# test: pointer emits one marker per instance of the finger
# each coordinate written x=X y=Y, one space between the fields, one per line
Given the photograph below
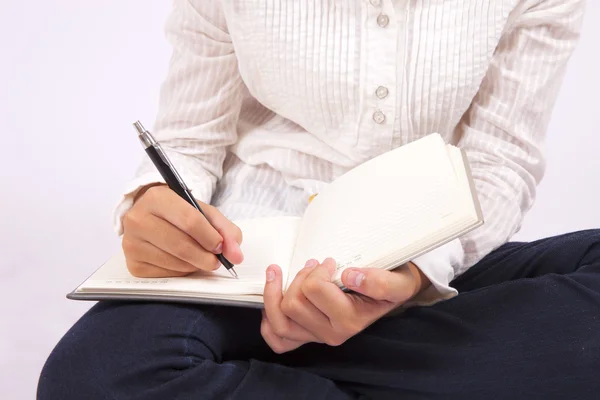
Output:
x=231 y=233
x=278 y=344
x=146 y=252
x=326 y=295
x=272 y=297
x=175 y=242
x=164 y=203
x=300 y=310
x=145 y=270
x=232 y=250
x=395 y=286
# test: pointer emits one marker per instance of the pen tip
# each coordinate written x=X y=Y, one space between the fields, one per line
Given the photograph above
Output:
x=233 y=273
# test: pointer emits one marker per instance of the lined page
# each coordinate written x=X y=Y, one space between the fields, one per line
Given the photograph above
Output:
x=266 y=241
x=385 y=205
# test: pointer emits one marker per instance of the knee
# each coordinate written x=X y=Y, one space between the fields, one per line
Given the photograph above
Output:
x=116 y=350
x=66 y=374
x=78 y=365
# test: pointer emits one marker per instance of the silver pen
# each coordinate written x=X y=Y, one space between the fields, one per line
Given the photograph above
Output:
x=172 y=178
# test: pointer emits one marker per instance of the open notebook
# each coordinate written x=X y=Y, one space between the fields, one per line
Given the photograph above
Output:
x=380 y=214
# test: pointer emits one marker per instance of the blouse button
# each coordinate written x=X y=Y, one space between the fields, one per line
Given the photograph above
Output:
x=379 y=117
x=382 y=92
x=383 y=20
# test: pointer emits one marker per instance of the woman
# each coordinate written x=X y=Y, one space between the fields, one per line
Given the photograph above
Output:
x=268 y=100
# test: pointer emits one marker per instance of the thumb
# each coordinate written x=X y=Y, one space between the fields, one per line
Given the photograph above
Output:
x=274 y=284
x=395 y=286
x=230 y=232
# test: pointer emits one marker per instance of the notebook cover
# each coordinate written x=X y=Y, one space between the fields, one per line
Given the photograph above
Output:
x=161 y=298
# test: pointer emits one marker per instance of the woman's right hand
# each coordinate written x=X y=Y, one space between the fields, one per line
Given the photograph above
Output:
x=165 y=236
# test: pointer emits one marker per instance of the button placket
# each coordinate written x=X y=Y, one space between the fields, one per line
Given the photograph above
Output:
x=381 y=75
x=381 y=92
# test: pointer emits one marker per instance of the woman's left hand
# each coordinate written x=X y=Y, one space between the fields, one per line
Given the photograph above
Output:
x=316 y=310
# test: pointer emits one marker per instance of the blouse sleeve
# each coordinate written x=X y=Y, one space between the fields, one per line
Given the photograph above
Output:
x=200 y=102
x=504 y=130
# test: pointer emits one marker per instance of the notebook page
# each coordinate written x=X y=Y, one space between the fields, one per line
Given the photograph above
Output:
x=467 y=217
x=266 y=241
x=386 y=204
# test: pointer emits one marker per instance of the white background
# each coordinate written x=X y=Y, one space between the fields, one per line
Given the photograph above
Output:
x=74 y=75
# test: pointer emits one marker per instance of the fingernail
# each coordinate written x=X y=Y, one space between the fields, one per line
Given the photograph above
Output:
x=355 y=278
x=270 y=275
x=311 y=263
x=331 y=264
x=218 y=249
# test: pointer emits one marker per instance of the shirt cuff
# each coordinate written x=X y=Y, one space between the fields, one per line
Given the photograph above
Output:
x=200 y=182
x=439 y=265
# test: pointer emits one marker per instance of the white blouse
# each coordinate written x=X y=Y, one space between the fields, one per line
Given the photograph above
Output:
x=266 y=101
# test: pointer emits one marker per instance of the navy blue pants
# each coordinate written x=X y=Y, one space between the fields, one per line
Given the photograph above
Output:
x=526 y=325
